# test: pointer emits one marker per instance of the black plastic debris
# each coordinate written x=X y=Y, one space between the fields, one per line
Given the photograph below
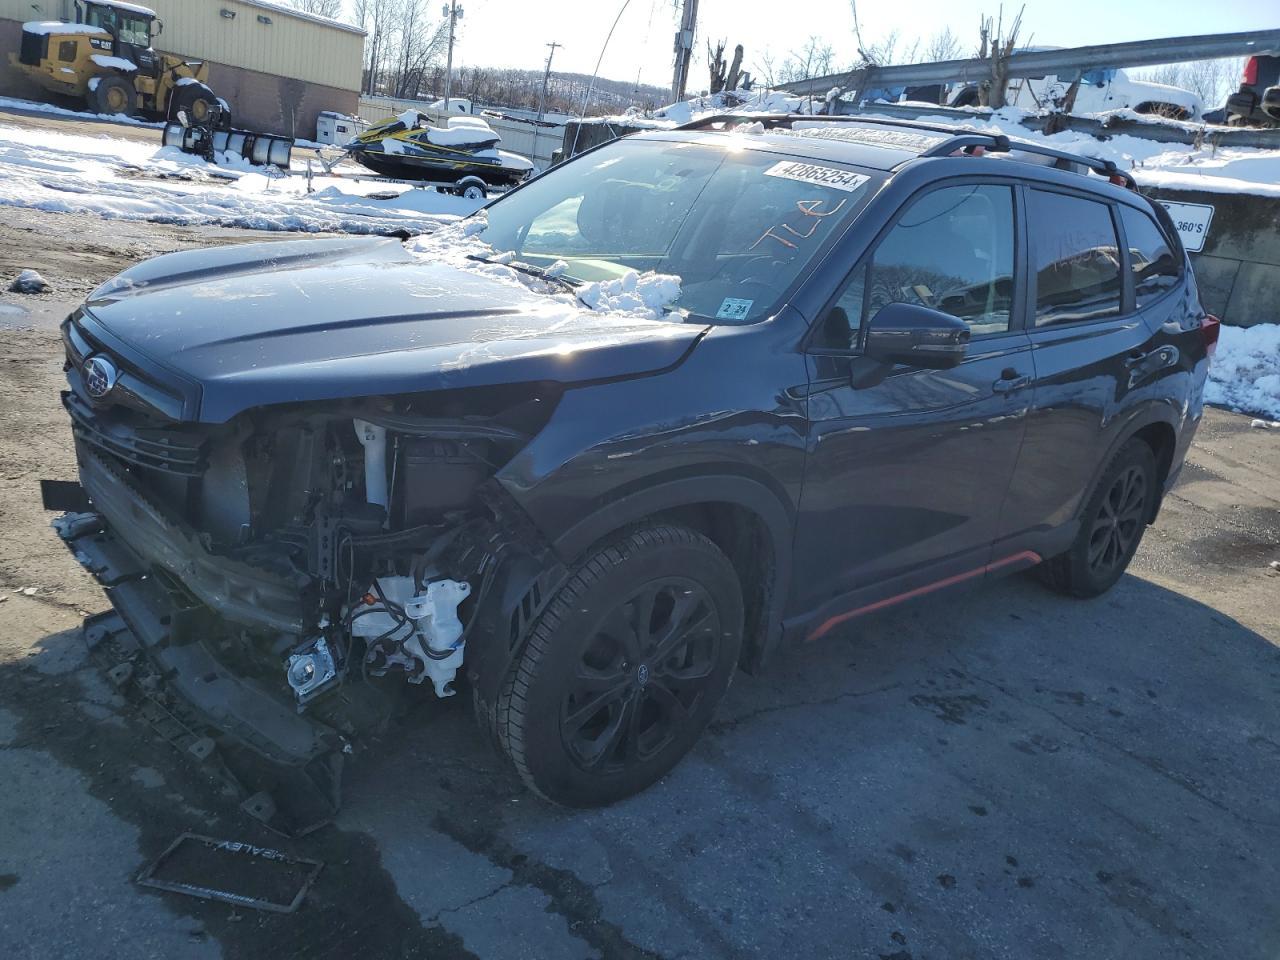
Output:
x=233 y=872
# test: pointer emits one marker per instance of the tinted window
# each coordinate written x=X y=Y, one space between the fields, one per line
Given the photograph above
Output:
x=952 y=250
x=1077 y=259
x=1151 y=258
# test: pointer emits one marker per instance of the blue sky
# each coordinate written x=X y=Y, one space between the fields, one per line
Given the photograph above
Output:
x=513 y=32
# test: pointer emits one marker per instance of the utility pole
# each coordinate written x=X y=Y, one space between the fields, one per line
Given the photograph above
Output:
x=454 y=13
x=542 y=98
x=546 y=76
x=684 y=49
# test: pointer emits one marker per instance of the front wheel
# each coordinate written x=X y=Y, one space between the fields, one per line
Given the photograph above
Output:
x=1115 y=517
x=624 y=669
x=113 y=95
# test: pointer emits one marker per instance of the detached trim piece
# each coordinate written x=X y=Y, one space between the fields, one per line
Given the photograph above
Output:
x=1026 y=558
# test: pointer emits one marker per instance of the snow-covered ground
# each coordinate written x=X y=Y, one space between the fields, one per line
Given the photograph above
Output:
x=124 y=179
x=1245 y=372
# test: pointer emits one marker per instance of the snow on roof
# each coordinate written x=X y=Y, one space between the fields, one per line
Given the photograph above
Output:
x=302 y=15
x=127 y=7
x=45 y=27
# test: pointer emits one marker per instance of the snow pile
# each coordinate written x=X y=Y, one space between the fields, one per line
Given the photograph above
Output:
x=29 y=281
x=643 y=296
x=121 y=179
x=32 y=106
x=647 y=296
x=1245 y=371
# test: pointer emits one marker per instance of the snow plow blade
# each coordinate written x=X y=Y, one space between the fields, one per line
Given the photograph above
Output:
x=285 y=767
x=260 y=149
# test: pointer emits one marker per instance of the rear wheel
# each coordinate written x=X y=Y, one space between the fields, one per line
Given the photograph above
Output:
x=624 y=669
x=113 y=95
x=1115 y=519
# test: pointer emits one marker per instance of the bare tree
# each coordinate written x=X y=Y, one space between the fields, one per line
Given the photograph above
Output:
x=1211 y=80
x=943 y=45
x=996 y=46
x=321 y=8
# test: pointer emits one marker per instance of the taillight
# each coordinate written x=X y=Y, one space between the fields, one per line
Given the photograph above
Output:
x=1210 y=327
x=1251 y=71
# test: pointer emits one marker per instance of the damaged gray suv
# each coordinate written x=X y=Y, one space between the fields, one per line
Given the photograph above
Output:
x=644 y=420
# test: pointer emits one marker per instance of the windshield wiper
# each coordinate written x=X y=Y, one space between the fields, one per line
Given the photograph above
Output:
x=569 y=283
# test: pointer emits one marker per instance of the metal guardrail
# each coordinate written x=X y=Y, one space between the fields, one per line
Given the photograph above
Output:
x=1066 y=65
x=1153 y=128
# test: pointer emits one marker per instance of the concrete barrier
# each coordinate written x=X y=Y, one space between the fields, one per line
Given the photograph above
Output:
x=1238 y=268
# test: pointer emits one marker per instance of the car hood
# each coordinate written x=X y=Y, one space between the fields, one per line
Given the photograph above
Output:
x=256 y=324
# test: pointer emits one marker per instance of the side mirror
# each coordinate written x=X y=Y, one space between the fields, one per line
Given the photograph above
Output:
x=157 y=27
x=916 y=336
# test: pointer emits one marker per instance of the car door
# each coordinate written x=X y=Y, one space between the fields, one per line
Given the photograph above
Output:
x=907 y=468
x=1094 y=354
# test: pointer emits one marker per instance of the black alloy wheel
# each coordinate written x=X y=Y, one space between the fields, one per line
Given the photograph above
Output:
x=1113 y=521
x=624 y=668
x=1118 y=522
x=640 y=677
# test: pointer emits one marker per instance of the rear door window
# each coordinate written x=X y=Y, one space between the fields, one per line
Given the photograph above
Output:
x=1151 y=258
x=1076 y=258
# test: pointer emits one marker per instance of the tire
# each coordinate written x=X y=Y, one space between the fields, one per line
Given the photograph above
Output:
x=113 y=95
x=1115 y=518
x=196 y=99
x=472 y=189
x=591 y=712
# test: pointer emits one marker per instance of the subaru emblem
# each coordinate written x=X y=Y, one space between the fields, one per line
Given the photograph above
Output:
x=100 y=375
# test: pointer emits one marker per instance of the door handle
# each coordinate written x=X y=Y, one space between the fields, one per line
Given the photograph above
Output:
x=1010 y=381
x=1135 y=358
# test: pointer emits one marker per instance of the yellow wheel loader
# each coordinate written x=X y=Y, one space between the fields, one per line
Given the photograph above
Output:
x=105 y=60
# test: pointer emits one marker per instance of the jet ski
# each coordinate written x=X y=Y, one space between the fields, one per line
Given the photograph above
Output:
x=462 y=156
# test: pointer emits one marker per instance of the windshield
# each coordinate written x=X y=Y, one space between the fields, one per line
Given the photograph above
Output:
x=736 y=226
x=128 y=26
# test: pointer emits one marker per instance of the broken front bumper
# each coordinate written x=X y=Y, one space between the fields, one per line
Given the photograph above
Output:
x=286 y=766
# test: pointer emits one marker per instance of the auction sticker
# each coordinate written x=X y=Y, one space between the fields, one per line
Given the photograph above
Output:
x=834 y=177
x=734 y=309
x=1192 y=221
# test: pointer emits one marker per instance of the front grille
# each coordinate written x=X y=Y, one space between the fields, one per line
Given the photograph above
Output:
x=34 y=48
x=113 y=432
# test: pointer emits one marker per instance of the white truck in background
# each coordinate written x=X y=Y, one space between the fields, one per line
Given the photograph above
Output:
x=1100 y=90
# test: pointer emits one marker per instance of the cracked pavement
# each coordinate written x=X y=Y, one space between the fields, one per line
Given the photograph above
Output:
x=1002 y=773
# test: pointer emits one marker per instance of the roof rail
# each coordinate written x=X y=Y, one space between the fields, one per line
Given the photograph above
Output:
x=963 y=140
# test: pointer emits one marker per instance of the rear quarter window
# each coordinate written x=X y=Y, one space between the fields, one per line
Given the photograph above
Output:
x=1152 y=258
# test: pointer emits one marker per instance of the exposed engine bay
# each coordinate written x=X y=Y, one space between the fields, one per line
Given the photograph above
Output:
x=374 y=514
x=326 y=555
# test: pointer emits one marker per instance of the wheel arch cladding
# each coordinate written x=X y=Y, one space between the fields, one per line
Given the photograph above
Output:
x=739 y=515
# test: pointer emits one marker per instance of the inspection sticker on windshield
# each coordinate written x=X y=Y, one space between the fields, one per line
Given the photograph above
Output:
x=813 y=173
x=1192 y=220
x=734 y=309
